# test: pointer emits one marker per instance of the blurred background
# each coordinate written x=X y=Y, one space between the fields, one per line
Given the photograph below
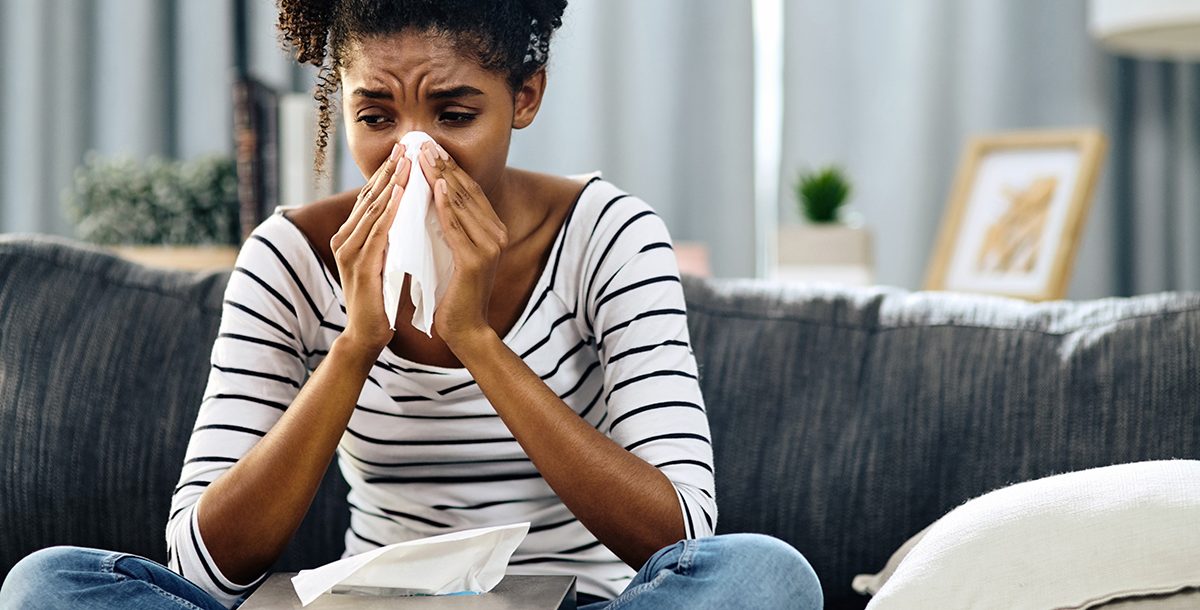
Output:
x=707 y=109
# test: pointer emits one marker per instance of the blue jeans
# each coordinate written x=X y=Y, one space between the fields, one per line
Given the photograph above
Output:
x=74 y=577
x=721 y=572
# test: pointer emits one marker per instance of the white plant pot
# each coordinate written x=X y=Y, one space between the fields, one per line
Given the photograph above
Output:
x=833 y=252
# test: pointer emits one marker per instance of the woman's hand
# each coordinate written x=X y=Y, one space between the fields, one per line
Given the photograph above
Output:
x=476 y=238
x=360 y=246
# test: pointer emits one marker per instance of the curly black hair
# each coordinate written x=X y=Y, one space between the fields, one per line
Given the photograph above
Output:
x=508 y=37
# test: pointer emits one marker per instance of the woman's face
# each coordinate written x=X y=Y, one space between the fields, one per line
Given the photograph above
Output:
x=414 y=81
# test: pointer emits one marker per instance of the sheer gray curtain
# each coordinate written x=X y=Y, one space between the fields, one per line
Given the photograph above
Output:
x=1156 y=176
x=655 y=94
x=121 y=77
x=891 y=90
x=658 y=95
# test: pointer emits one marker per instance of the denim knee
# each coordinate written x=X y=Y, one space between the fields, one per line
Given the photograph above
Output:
x=77 y=577
x=33 y=575
x=792 y=583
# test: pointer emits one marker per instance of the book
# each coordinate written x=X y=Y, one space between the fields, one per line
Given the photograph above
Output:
x=256 y=150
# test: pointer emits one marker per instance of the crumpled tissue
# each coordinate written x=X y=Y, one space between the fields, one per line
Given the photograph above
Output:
x=416 y=246
x=470 y=561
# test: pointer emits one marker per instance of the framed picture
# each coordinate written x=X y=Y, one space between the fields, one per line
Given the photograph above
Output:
x=1016 y=212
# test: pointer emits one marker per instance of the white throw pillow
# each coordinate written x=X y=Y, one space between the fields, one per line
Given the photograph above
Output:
x=1069 y=541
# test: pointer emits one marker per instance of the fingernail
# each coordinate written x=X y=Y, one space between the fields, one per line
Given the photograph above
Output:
x=443 y=188
x=442 y=153
x=395 y=149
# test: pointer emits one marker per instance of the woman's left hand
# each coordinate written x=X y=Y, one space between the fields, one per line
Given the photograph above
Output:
x=476 y=238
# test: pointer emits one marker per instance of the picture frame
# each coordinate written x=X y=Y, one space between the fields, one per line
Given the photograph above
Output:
x=1016 y=212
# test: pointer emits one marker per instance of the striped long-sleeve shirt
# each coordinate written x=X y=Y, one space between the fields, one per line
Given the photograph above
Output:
x=425 y=453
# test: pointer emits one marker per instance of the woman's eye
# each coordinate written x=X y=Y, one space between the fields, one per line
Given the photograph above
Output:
x=457 y=117
x=371 y=119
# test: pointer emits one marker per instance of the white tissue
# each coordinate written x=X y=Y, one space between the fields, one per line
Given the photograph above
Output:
x=468 y=561
x=416 y=246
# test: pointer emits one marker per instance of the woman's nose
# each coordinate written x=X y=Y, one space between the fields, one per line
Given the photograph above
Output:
x=409 y=126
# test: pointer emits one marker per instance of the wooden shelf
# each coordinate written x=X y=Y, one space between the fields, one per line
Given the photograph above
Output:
x=184 y=258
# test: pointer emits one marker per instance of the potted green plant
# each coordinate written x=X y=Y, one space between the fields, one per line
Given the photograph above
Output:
x=830 y=245
x=822 y=194
x=179 y=214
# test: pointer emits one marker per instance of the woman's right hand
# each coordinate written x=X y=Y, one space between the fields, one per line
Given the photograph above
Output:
x=359 y=247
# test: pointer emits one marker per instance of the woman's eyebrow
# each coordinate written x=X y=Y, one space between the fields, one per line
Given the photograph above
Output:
x=372 y=94
x=454 y=92
x=438 y=94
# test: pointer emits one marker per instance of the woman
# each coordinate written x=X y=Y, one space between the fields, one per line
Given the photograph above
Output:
x=558 y=386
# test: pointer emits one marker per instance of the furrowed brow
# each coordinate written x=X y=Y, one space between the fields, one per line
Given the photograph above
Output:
x=454 y=92
x=372 y=94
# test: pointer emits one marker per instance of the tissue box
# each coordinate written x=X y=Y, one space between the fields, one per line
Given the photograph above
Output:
x=513 y=593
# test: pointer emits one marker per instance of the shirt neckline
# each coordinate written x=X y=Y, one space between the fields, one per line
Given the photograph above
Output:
x=530 y=303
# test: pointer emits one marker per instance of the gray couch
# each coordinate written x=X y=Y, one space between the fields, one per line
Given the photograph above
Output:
x=843 y=420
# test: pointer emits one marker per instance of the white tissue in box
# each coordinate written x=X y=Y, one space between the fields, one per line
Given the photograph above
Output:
x=470 y=560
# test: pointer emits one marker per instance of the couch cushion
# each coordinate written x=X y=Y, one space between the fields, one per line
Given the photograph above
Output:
x=102 y=367
x=1074 y=540
x=843 y=420
x=846 y=420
